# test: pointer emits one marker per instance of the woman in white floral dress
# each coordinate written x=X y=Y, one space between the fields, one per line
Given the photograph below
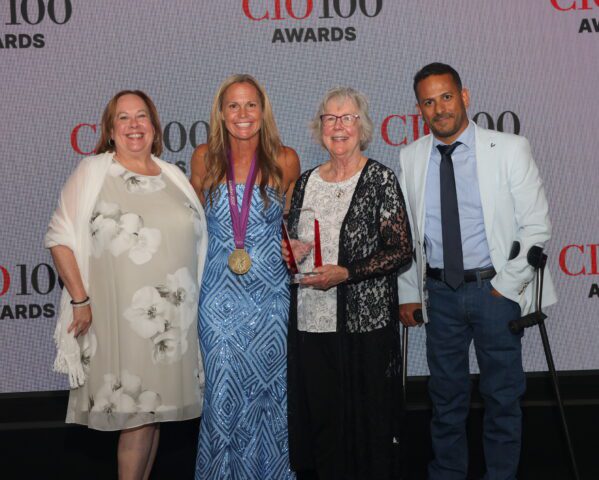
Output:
x=129 y=240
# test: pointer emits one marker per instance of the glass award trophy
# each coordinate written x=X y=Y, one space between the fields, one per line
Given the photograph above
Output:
x=303 y=243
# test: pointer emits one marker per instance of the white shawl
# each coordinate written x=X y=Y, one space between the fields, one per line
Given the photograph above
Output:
x=69 y=226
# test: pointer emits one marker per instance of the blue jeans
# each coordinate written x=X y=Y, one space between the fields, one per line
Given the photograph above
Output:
x=455 y=319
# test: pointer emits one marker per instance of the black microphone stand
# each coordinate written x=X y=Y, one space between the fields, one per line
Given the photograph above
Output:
x=538 y=260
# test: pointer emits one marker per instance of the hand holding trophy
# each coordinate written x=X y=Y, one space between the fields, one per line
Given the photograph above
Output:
x=303 y=243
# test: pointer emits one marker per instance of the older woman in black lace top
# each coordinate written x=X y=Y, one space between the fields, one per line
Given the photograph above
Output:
x=343 y=347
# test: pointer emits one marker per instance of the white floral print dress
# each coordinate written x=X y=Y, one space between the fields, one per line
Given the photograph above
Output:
x=143 y=368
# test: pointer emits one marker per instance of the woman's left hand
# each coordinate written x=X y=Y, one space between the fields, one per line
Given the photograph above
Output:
x=328 y=276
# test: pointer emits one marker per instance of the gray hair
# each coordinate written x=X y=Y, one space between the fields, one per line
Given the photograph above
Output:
x=360 y=100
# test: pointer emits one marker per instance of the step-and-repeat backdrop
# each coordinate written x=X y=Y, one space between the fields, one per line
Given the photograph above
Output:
x=532 y=68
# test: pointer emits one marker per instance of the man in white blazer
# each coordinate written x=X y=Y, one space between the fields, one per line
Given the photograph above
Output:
x=473 y=196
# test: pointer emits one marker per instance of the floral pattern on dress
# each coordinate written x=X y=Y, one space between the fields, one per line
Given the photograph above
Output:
x=120 y=232
x=136 y=269
x=136 y=183
x=88 y=349
x=163 y=314
x=124 y=394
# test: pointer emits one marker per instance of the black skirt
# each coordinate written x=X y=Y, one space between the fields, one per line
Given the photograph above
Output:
x=345 y=403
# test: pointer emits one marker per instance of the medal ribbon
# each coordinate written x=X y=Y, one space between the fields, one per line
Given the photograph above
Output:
x=239 y=220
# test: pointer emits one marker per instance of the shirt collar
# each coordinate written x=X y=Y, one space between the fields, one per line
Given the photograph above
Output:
x=467 y=138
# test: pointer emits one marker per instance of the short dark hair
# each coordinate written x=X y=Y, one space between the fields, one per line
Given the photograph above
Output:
x=436 y=69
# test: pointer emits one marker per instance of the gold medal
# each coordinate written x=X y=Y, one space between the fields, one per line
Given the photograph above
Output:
x=240 y=261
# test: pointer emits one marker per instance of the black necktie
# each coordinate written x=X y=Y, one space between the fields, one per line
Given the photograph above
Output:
x=453 y=260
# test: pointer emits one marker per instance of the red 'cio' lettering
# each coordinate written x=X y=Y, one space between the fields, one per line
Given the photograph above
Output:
x=566 y=5
x=277 y=11
x=5 y=281
x=584 y=260
x=391 y=124
x=75 y=138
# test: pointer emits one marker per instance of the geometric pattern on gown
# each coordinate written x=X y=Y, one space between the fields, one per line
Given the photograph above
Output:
x=242 y=327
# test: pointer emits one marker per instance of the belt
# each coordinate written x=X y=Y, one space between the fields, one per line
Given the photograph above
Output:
x=469 y=275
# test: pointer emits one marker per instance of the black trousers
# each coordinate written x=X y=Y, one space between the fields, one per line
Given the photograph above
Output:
x=320 y=380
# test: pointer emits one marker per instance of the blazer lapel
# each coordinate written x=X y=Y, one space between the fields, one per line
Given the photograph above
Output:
x=422 y=157
x=487 y=164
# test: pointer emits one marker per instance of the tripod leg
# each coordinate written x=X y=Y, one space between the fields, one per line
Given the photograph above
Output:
x=558 y=397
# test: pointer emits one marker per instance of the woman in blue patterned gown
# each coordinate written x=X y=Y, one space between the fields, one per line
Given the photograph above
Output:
x=243 y=316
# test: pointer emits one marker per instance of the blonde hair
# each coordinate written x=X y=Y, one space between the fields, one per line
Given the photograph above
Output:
x=269 y=144
x=104 y=143
x=359 y=99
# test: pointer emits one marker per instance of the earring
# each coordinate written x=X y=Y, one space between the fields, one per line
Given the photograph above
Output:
x=110 y=142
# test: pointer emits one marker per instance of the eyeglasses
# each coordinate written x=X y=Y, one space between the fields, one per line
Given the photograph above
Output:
x=330 y=120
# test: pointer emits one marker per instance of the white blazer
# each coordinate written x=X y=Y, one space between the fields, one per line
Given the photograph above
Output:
x=514 y=209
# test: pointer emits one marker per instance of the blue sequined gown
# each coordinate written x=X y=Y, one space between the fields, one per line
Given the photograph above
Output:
x=242 y=329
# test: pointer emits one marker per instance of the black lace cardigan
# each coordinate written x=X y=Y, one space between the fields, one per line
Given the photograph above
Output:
x=374 y=245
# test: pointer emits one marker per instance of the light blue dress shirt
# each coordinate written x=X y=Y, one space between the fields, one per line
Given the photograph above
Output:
x=475 y=248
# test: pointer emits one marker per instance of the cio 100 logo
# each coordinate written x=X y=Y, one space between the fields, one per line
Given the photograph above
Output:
x=398 y=130
x=33 y=12
x=175 y=136
x=23 y=282
x=301 y=10
x=284 y=9
x=587 y=25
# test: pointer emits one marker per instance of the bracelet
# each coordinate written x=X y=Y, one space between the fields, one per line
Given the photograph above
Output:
x=82 y=303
